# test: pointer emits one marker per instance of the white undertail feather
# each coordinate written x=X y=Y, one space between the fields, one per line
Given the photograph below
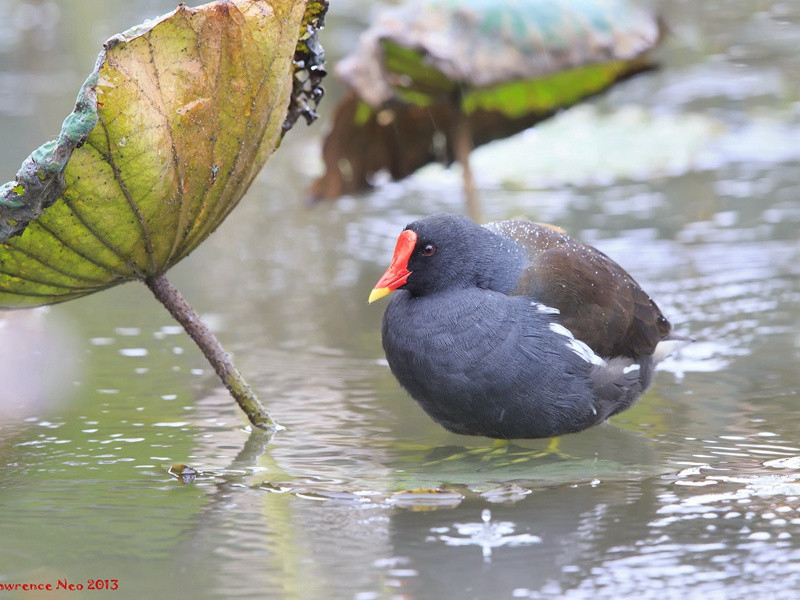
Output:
x=667 y=347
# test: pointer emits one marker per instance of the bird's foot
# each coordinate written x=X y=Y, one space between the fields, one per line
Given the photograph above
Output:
x=501 y=453
x=551 y=450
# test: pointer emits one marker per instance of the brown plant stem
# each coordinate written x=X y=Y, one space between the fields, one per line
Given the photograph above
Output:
x=183 y=312
x=462 y=147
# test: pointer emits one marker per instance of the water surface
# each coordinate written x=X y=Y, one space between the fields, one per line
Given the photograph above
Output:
x=688 y=176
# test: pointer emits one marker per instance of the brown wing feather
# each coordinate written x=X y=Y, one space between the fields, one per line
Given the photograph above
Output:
x=597 y=299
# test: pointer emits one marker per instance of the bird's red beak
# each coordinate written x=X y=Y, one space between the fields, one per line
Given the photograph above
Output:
x=397 y=273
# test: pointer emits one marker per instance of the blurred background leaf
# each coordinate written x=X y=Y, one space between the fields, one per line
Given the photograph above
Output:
x=432 y=79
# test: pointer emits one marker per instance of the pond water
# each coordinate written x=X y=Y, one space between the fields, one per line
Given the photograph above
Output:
x=688 y=176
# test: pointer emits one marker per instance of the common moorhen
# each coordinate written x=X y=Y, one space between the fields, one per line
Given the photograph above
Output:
x=515 y=329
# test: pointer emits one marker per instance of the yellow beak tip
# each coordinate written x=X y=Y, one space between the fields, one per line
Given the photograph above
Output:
x=377 y=294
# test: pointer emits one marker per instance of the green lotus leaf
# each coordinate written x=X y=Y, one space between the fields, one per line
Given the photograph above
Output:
x=174 y=123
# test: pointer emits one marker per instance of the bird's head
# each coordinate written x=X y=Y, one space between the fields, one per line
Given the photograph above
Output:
x=448 y=251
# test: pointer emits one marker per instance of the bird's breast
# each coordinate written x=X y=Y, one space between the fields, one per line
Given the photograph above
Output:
x=450 y=334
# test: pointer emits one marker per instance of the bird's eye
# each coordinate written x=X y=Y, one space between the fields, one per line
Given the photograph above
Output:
x=428 y=249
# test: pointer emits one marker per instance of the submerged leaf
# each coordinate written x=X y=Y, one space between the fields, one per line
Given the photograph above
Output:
x=175 y=122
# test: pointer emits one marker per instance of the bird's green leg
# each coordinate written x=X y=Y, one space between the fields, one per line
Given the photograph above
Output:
x=551 y=450
x=498 y=447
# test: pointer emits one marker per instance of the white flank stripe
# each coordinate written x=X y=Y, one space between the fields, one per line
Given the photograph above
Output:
x=561 y=330
x=577 y=346
x=543 y=308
